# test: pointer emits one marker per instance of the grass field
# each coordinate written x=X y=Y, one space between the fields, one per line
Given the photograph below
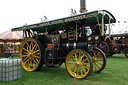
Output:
x=115 y=73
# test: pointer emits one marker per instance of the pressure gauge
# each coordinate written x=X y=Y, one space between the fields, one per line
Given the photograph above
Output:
x=54 y=39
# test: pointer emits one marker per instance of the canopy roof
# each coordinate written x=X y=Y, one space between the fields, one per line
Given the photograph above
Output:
x=10 y=36
x=119 y=35
x=90 y=17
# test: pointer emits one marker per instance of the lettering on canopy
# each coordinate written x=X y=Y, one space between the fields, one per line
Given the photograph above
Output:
x=69 y=19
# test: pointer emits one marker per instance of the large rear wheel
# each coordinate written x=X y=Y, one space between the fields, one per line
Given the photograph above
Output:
x=80 y=62
x=31 y=53
x=99 y=60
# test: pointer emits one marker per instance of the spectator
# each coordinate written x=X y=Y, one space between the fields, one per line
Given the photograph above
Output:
x=10 y=53
x=7 y=52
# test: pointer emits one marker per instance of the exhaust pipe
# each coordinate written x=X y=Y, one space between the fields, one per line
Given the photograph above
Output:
x=83 y=6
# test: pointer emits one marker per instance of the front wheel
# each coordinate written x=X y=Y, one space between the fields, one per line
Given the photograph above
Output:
x=99 y=60
x=79 y=62
x=31 y=53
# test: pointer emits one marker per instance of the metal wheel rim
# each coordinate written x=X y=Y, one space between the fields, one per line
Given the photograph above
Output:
x=30 y=55
x=98 y=61
x=79 y=65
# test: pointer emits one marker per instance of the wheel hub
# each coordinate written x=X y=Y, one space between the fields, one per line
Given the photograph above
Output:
x=78 y=64
x=94 y=59
x=29 y=54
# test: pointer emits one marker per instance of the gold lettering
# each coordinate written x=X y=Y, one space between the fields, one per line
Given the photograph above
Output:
x=75 y=18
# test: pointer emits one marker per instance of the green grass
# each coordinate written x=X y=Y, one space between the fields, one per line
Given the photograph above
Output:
x=115 y=73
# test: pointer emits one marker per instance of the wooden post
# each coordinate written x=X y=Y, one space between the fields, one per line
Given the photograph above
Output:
x=75 y=79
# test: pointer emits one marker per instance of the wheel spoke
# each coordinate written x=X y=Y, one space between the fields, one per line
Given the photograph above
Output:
x=25 y=49
x=95 y=67
x=99 y=63
x=27 y=44
x=34 y=61
x=35 y=51
x=83 y=70
x=71 y=64
x=75 y=70
x=36 y=56
x=26 y=65
x=81 y=58
x=26 y=58
x=35 y=46
x=72 y=60
x=86 y=67
x=75 y=57
x=24 y=55
x=30 y=63
x=37 y=60
x=99 y=60
x=26 y=61
x=84 y=60
x=85 y=64
x=72 y=67
x=25 y=52
x=30 y=47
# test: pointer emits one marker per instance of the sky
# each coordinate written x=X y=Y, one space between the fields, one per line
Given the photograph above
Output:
x=16 y=13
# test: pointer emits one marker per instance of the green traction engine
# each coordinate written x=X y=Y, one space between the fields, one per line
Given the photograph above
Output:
x=70 y=40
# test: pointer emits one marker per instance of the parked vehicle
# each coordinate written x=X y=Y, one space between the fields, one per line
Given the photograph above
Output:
x=116 y=43
x=65 y=41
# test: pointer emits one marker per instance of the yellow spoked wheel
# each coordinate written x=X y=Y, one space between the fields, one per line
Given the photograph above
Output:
x=79 y=62
x=99 y=60
x=30 y=54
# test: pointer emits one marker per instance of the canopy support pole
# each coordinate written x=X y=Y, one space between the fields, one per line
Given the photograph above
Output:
x=109 y=27
x=98 y=24
x=102 y=26
x=23 y=34
x=76 y=31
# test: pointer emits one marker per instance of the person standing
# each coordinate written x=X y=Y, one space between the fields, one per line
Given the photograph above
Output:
x=10 y=52
x=7 y=52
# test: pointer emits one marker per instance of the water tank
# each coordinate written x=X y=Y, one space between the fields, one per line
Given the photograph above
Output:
x=10 y=69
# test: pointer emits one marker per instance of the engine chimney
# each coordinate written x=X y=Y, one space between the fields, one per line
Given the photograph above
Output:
x=83 y=6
